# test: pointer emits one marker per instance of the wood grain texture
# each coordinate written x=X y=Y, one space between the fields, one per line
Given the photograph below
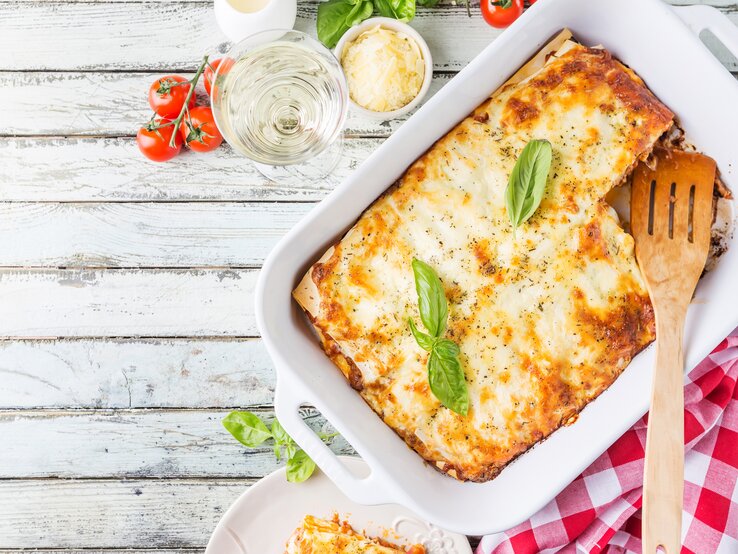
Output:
x=135 y=373
x=61 y=514
x=134 y=444
x=112 y=169
x=123 y=303
x=716 y=3
x=473 y=3
x=474 y=541
x=80 y=104
x=186 y=550
x=74 y=68
x=128 y=36
x=143 y=234
x=670 y=218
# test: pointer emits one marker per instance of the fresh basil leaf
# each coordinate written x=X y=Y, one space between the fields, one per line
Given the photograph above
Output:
x=424 y=340
x=290 y=448
x=445 y=375
x=335 y=17
x=279 y=434
x=446 y=348
x=251 y=431
x=427 y=3
x=527 y=182
x=280 y=437
x=431 y=298
x=447 y=381
x=247 y=428
x=299 y=467
x=402 y=10
x=363 y=9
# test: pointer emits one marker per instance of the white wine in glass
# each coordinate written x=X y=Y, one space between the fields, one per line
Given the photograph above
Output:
x=280 y=98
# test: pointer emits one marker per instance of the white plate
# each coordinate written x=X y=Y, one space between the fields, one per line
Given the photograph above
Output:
x=662 y=45
x=264 y=517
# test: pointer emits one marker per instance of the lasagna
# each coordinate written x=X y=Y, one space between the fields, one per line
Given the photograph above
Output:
x=320 y=536
x=546 y=317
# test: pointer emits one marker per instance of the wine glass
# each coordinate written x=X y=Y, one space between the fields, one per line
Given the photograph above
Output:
x=280 y=98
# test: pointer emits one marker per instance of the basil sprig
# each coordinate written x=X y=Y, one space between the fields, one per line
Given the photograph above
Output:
x=335 y=17
x=251 y=431
x=445 y=374
x=527 y=182
x=402 y=10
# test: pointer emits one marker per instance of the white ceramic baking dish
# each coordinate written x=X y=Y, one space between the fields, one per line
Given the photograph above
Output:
x=661 y=43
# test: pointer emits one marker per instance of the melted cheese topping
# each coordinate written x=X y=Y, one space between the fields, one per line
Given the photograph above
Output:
x=384 y=69
x=546 y=319
x=320 y=536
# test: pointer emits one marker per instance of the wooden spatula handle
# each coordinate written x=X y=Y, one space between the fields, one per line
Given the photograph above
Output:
x=663 y=484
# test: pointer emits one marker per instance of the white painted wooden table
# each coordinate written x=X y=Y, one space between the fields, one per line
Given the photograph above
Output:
x=126 y=287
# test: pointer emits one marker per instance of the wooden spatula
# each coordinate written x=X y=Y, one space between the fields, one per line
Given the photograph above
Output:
x=670 y=218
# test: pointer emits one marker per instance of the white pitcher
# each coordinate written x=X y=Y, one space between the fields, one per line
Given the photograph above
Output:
x=239 y=19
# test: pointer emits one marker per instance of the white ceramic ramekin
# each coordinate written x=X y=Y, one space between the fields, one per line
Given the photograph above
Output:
x=400 y=27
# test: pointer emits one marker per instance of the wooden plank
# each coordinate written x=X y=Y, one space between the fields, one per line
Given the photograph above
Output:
x=135 y=373
x=143 y=234
x=144 y=514
x=716 y=3
x=77 y=103
x=188 y=550
x=129 y=35
x=134 y=444
x=112 y=169
x=107 y=36
x=80 y=104
x=124 y=303
x=474 y=3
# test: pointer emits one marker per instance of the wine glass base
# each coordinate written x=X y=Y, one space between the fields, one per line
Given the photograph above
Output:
x=315 y=169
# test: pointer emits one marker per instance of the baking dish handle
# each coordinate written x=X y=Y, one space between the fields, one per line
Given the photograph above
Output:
x=366 y=490
x=701 y=18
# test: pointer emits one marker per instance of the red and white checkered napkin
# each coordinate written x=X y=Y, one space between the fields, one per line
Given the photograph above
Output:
x=600 y=511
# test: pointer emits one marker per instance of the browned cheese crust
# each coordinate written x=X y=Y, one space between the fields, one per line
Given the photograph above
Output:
x=546 y=318
x=334 y=536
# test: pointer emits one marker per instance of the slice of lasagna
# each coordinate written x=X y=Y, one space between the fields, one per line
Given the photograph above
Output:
x=547 y=317
x=320 y=536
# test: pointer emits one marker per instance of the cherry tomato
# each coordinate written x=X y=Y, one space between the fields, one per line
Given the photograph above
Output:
x=199 y=130
x=502 y=13
x=223 y=66
x=154 y=143
x=209 y=73
x=167 y=96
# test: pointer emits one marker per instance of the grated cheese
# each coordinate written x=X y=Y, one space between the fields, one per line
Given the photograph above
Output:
x=384 y=69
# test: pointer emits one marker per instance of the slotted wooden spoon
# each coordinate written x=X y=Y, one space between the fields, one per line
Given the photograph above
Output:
x=670 y=218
